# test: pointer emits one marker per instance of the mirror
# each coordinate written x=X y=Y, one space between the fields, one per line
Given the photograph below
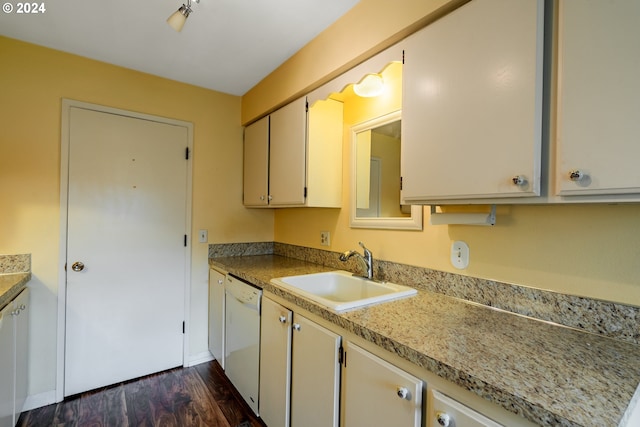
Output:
x=375 y=176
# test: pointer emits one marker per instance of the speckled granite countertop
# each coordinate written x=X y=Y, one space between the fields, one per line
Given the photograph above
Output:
x=11 y=285
x=550 y=375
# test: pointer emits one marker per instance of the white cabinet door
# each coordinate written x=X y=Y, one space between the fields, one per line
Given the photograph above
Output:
x=446 y=411
x=315 y=387
x=599 y=98
x=287 y=154
x=275 y=362
x=472 y=104
x=256 y=163
x=14 y=327
x=7 y=355
x=376 y=393
x=21 y=304
x=216 y=315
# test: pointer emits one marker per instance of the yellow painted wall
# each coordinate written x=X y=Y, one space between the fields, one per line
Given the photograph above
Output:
x=587 y=250
x=34 y=80
x=369 y=27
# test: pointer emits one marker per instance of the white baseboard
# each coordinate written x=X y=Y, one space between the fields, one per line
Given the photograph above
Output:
x=196 y=359
x=39 y=400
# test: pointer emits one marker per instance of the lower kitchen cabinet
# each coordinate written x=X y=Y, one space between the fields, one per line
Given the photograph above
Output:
x=216 y=314
x=300 y=370
x=14 y=323
x=377 y=393
x=446 y=412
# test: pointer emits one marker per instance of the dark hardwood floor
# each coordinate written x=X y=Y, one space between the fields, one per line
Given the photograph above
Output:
x=197 y=396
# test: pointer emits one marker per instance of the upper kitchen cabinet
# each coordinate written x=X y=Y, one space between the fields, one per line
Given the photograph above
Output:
x=598 y=126
x=256 y=164
x=472 y=105
x=294 y=157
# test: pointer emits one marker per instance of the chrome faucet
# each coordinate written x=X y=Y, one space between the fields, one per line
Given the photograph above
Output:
x=365 y=261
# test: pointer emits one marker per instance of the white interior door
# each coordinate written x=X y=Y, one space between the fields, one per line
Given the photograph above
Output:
x=127 y=217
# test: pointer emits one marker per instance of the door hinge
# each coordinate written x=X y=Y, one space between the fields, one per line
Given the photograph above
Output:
x=185 y=240
x=402 y=56
x=305 y=192
x=401 y=183
x=183 y=327
x=341 y=355
x=186 y=153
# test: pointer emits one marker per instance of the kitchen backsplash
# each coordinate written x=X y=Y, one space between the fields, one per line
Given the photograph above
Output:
x=10 y=264
x=613 y=320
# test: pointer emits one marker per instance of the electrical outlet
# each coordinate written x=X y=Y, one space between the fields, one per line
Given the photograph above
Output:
x=325 y=238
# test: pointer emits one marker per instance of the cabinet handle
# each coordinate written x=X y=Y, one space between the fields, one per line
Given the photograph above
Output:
x=519 y=180
x=403 y=393
x=576 y=175
x=296 y=326
x=282 y=319
x=443 y=419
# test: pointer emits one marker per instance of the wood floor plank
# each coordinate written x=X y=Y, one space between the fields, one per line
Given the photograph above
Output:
x=231 y=403
x=199 y=396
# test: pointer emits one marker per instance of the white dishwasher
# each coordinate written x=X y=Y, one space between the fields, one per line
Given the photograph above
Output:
x=242 y=338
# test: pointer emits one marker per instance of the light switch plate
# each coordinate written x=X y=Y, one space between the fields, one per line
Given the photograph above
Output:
x=203 y=236
x=460 y=255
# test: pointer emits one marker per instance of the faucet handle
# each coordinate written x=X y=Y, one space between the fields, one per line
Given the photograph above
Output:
x=367 y=252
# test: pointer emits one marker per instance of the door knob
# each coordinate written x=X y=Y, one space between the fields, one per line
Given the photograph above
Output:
x=77 y=266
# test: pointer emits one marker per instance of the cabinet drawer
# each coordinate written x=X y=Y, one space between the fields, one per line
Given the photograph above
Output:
x=447 y=412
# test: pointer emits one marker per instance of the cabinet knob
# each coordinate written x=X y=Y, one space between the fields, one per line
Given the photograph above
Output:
x=576 y=175
x=262 y=198
x=403 y=393
x=443 y=419
x=282 y=319
x=220 y=282
x=22 y=307
x=77 y=266
x=519 y=180
x=296 y=326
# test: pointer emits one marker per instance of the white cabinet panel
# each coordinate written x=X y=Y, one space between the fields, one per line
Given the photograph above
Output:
x=14 y=326
x=377 y=393
x=287 y=148
x=599 y=97
x=472 y=104
x=315 y=381
x=256 y=163
x=7 y=355
x=275 y=360
x=216 y=315
x=445 y=411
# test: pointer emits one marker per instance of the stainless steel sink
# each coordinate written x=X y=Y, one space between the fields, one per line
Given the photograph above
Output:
x=340 y=290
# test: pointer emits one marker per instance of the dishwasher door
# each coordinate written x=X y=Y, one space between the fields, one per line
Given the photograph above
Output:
x=242 y=338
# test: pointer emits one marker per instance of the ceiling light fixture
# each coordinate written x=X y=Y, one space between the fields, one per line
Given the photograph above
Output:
x=179 y=17
x=371 y=85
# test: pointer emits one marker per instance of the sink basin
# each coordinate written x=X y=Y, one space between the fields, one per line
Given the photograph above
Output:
x=341 y=290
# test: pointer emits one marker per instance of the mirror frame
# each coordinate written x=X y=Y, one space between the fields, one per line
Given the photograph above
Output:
x=413 y=222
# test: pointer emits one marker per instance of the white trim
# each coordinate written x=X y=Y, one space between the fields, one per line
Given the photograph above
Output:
x=196 y=359
x=39 y=400
x=67 y=104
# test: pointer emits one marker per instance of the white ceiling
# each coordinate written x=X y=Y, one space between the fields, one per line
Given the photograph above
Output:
x=225 y=45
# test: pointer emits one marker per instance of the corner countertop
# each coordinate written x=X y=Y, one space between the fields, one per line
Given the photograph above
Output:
x=11 y=285
x=548 y=374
